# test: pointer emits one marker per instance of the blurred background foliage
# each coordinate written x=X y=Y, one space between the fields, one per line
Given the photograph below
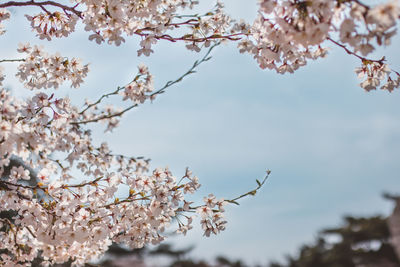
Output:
x=358 y=242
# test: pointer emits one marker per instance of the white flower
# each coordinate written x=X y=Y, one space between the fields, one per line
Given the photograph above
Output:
x=370 y=84
x=384 y=14
x=204 y=211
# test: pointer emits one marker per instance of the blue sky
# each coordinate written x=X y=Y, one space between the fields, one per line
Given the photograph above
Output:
x=332 y=148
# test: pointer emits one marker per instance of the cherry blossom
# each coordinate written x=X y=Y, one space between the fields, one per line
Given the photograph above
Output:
x=76 y=208
x=40 y=70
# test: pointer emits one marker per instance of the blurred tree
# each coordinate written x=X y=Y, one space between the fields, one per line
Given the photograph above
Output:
x=359 y=242
x=394 y=223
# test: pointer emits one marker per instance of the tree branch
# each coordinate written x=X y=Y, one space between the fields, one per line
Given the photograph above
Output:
x=12 y=60
x=252 y=192
x=41 y=5
x=348 y=51
x=197 y=63
x=100 y=99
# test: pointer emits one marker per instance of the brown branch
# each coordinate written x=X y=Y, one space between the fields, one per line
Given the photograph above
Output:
x=94 y=182
x=126 y=200
x=190 y=38
x=3 y=183
x=41 y=5
x=104 y=117
x=30 y=231
x=348 y=51
x=12 y=60
x=363 y=59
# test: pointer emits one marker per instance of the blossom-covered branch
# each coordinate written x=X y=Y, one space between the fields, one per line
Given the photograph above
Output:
x=86 y=196
x=138 y=94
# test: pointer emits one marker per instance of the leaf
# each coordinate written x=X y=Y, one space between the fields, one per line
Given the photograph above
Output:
x=258 y=182
x=234 y=202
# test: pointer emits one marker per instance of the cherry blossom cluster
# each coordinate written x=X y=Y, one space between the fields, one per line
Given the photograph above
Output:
x=138 y=90
x=284 y=37
x=373 y=73
x=87 y=197
x=4 y=15
x=109 y=20
x=212 y=26
x=212 y=215
x=363 y=25
x=287 y=33
x=48 y=25
x=41 y=70
x=66 y=216
x=112 y=20
x=66 y=220
x=108 y=114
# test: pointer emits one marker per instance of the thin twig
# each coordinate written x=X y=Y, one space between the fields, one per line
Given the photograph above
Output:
x=363 y=59
x=12 y=60
x=197 y=63
x=100 y=99
x=94 y=182
x=30 y=231
x=252 y=192
x=190 y=38
x=348 y=51
x=190 y=71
